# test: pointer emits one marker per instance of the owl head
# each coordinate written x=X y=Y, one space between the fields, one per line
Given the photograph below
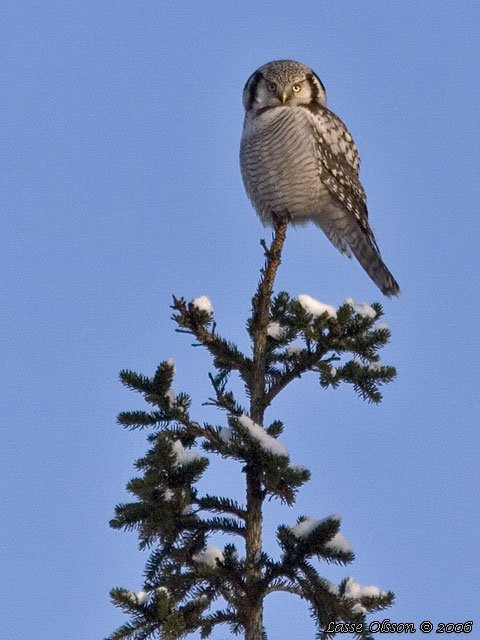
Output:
x=283 y=83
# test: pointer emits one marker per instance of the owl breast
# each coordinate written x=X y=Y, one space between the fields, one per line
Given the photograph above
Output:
x=280 y=165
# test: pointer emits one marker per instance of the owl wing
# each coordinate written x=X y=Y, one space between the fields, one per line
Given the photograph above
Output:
x=339 y=164
x=347 y=225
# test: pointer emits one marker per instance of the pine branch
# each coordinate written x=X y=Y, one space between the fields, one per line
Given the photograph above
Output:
x=284 y=585
x=223 y=399
x=307 y=362
x=366 y=379
x=141 y=419
x=135 y=381
x=226 y=525
x=128 y=631
x=221 y=505
x=226 y=355
x=225 y=616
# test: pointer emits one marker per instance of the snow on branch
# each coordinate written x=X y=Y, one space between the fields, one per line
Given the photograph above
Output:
x=362 y=308
x=203 y=304
x=267 y=442
x=182 y=455
x=315 y=307
x=304 y=528
x=208 y=556
x=357 y=591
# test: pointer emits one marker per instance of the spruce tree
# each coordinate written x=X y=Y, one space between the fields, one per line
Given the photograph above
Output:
x=189 y=585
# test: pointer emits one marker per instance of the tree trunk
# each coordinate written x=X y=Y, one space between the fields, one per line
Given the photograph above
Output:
x=254 y=604
x=261 y=309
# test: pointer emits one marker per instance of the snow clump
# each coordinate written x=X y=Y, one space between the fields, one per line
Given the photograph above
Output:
x=298 y=468
x=304 y=528
x=225 y=435
x=171 y=364
x=208 y=556
x=203 y=599
x=358 y=608
x=183 y=456
x=188 y=509
x=170 y=397
x=142 y=597
x=365 y=310
x=334 y=589
x=275 y=331
x=203 y=304
x=362 y=308
x=315 y=307
x=339 y=543
x=266 y=441
x=356 y=591
x=293 y=349
x=168 y=495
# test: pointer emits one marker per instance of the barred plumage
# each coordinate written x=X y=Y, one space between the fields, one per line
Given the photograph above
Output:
x=299 y=163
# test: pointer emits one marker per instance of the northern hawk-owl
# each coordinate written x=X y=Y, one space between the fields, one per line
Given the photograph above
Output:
x=299 y=163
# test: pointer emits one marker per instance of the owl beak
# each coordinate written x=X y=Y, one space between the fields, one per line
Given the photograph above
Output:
x=284 y=96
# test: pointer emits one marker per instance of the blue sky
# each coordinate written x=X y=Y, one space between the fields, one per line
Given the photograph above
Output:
x=120 y=185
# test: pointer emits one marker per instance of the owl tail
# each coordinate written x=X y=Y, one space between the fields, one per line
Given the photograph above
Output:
x=349 y=235
x=369 y=257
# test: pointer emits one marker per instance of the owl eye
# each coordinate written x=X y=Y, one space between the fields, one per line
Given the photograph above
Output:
x=271 y=86
x=296 y=88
